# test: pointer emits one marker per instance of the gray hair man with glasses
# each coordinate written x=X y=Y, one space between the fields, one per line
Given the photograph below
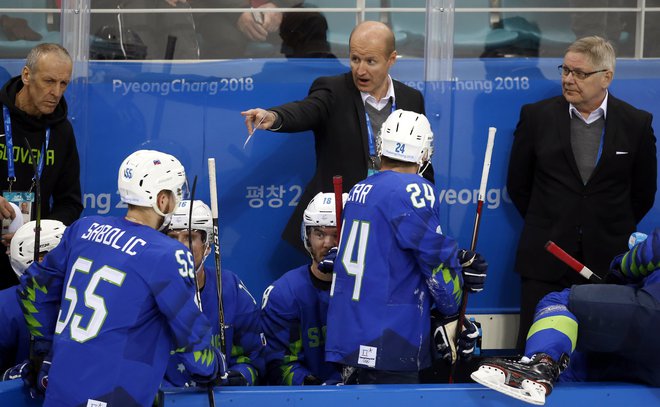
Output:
x=582 y=172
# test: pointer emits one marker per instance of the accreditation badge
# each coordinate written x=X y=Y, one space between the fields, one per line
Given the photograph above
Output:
x=23 y=200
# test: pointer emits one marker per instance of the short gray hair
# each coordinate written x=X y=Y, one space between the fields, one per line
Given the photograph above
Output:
x=42 y=49
x=599 y=51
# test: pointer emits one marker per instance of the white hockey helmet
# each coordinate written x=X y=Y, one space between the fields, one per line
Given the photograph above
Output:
x=202 y=219
x=319 y=212
x=22 y=244
x=406 y=136
x=145 y=173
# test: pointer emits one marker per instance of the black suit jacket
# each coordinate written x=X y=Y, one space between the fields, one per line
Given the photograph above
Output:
x=334 y=111
x=594 y=220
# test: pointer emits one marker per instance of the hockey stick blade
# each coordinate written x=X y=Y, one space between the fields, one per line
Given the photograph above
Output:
x=571 y=262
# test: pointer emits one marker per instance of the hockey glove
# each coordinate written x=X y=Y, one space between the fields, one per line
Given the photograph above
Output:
x=475 y=268
x=444 y=331
x=219 y=376
x=235 y=378
x=614 y=276
x=311 y=380
x=35 y=374
x=328 y=263
x=17 y=372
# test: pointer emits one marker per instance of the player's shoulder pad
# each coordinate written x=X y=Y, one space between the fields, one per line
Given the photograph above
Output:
x=283 y=290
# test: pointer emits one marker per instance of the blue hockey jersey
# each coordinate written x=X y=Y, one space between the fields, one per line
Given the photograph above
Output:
x=14 y=337
x=393 y=263
x=243 y=336
x=294 y=315
x=115 y=297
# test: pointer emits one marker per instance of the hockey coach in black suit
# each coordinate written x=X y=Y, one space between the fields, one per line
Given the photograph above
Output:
x=582 y=172
x=345 y=112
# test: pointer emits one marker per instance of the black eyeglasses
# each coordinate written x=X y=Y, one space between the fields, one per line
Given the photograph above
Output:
x=564 y=71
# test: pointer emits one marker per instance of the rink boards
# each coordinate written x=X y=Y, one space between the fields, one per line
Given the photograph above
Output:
x=435 y=395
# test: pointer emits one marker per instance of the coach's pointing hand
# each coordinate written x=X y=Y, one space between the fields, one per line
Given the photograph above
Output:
x=259 y=119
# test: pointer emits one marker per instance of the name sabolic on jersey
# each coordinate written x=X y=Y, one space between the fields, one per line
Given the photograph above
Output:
x=393 y=263
x=115 y=297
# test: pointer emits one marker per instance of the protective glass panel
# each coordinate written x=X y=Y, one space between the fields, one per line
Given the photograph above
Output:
x=21 y=31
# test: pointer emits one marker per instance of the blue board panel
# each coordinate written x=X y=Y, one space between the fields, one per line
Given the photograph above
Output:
x=464 y=395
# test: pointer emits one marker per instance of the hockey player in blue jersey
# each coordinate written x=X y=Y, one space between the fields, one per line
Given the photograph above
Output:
x=14 y=336
x=595 y=332
x=116 y=296
x=394 y=263
x=294 y=308
x=243 y=336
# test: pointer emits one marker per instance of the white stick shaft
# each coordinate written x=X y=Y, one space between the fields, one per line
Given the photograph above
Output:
x=214 y=188
x=486 y=169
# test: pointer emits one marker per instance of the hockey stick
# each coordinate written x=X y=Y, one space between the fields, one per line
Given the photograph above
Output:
x=190 y=243
x=475 y=235
x=37 y=199
x=35 y=360
x=198 y=295
x=216 y=242
x=337 y=183
x=571 y=262
x=482 y=187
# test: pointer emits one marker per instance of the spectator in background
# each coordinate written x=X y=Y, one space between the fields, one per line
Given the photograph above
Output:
x=582 y=172
x=618 y=27
x=305 y=35
x=153 y=35
x=345 y=112
x=235 y=35
x=34 y=111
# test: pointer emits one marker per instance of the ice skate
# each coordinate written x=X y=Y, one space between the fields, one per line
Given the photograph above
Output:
x=529 y=380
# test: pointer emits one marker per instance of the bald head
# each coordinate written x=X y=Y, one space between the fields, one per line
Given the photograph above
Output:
x=372 y=55
x=374 y=33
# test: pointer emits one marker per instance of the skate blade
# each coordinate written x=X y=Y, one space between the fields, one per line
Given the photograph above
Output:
x=494 y=378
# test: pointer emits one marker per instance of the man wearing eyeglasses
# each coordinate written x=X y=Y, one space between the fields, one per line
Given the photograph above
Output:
x=582 y=172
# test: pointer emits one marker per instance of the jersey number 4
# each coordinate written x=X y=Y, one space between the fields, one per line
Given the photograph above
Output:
x=93 y=301
x=353 y=257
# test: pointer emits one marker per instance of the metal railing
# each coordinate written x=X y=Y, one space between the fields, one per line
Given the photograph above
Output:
x=361 y=10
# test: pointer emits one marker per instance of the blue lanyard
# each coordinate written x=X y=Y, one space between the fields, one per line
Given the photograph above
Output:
x=600 y=146
x=370 y=132
x=11 y=169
